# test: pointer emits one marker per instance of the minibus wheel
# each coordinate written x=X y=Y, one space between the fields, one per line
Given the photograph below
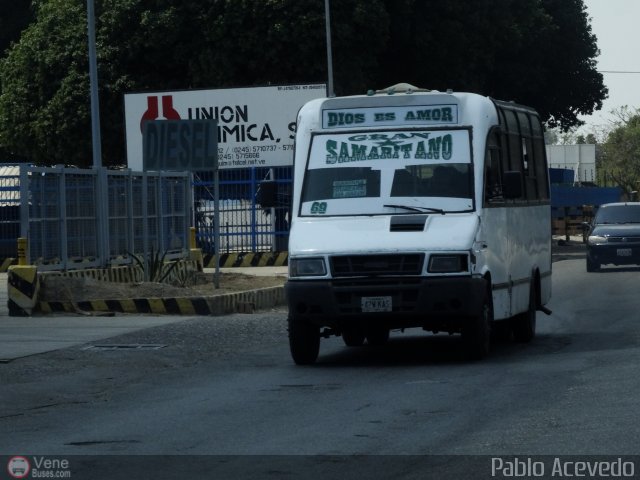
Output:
x=476 y=334
x=524 y=324
x=304 y=341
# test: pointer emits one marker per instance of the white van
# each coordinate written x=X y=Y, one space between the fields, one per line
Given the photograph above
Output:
x=415 y=208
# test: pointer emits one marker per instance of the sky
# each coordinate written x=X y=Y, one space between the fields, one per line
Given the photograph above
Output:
x=615 y=24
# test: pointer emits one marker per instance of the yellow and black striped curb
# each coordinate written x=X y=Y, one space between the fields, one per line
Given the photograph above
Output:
x=125 y=274
x=227 y=260
x=23 y=288
x=243 y=302
x=259 y=259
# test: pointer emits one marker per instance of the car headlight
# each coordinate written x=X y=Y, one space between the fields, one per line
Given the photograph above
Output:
x=596 y=240
x=453 y=263
x=307 y=267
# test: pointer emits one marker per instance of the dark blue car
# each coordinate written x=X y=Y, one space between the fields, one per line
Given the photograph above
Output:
x=614 y=236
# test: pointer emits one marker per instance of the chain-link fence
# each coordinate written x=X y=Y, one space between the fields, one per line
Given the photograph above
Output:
x=78 y=218
x=144 y=212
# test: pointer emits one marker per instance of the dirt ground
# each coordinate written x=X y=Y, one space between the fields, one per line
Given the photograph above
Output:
x=64 y=289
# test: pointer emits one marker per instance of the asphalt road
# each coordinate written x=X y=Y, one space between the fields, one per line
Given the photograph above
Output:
x=226 y=386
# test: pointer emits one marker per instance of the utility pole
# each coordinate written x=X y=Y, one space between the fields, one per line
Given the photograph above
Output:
x=327 y=19
x=93 y=78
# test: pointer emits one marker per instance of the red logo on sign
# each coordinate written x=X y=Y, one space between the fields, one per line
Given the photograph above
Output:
x=153 y=113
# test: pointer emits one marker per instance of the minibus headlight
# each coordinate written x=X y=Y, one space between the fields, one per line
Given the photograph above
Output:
x=596 y=240
x=448 y=263
x=307 y=267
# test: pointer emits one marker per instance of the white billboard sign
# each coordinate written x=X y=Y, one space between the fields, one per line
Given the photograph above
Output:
x=256 y=126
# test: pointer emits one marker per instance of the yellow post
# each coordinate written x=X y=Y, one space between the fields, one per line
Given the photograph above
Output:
x=192 y=238
x=22 y=251
x=195 y=253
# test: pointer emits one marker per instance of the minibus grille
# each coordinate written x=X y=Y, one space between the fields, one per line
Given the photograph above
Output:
x=372 y=265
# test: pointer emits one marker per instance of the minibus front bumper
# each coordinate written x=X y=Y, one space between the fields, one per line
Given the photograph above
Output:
x=402 y=302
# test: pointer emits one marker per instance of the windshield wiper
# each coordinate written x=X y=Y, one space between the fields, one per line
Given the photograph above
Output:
x=417 y=209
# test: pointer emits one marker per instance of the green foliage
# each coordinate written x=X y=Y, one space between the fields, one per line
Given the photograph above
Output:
x=155 y=268
x=15 y=15
x=621 y=153
x=566 y=53
x=259 y=42
x=183 y=277
x=498 y=48
x=539 y=53
x=43 y=113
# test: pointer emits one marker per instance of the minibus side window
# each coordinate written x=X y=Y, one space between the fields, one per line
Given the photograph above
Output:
x=529 y=158
x=515 y=143
x=540 y=162
x=524 y=150
x=493 y=168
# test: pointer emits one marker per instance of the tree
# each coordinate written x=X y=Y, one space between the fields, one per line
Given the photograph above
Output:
x=45 y=87
x=572 y=86
x=164 y=45
x=283 y=41
x=589 y=139
x=497 y=48
x=44 y=106
x=501 y=49
x=620 y=159
x=14 y=17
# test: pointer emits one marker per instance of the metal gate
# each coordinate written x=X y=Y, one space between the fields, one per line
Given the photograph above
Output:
x=9 y=210
x=255 y=208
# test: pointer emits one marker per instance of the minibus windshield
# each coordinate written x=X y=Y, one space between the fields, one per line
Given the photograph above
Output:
x=386 y=172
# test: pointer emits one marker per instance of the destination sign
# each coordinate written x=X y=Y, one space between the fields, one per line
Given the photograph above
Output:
x=385 y=116
x=370 y=149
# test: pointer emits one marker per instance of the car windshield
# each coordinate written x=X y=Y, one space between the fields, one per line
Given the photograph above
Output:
x=388 y=172
x=618 y=214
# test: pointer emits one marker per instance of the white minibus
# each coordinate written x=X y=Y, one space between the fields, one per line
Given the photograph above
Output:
x=415 y=208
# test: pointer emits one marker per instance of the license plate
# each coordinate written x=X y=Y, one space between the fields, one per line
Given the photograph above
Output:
x=376 y=304
x=624 y=252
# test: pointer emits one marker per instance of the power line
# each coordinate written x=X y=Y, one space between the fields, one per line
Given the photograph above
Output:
x=618 y=71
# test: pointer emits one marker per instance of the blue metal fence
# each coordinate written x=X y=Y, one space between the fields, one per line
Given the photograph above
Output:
x=79 y=218
x=254 y=212
x=250 y=220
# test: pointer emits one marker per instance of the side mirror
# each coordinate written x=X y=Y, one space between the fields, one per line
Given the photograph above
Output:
x=586 y=226
x=512 y=185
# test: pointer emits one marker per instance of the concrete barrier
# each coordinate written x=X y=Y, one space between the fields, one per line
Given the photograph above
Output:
x=23 y=285
x=238 y=302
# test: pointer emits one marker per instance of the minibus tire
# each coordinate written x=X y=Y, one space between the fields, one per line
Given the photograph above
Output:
x=304 y=341
x=524 y=324
x=476 y=334
x=592 y=266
